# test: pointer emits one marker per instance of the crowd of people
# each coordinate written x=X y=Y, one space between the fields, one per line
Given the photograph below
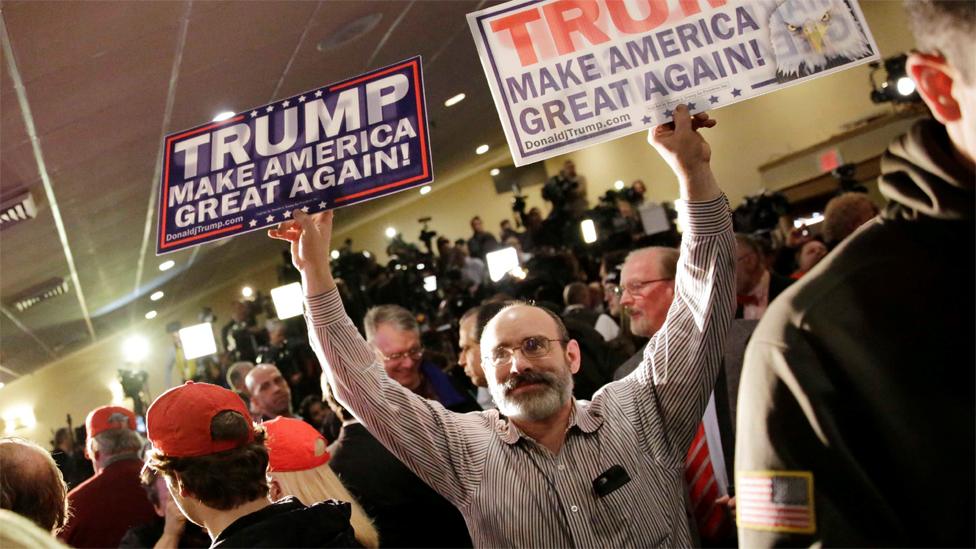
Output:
x=721 y=386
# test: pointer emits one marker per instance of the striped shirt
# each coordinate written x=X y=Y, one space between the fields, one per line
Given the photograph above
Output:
x=514 y=492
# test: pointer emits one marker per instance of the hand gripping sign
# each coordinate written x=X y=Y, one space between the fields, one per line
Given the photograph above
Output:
x=567 y=74
x=344 y=143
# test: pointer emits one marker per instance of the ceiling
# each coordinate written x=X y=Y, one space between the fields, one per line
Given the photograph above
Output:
x=89 y=89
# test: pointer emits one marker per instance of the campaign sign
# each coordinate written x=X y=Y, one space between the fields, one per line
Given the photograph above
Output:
x=341 y=144
x=567 y=74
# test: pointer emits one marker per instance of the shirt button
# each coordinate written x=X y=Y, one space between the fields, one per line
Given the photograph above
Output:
x=574 y=509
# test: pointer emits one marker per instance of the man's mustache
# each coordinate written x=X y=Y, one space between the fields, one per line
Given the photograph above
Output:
x=527 y=377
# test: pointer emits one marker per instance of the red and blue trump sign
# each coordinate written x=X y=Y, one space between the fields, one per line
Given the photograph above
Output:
x=334 y=146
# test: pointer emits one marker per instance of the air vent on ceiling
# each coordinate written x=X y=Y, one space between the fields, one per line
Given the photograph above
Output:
x=20 y=209
x=42 y=292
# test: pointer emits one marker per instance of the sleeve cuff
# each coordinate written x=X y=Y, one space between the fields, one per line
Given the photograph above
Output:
x=705 y=217
x=325 y=308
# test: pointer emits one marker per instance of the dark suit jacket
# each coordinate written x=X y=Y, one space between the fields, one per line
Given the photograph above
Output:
x=777 y=284
x=406 y=511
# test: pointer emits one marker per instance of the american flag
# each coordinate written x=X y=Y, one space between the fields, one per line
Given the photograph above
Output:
x=778 y=500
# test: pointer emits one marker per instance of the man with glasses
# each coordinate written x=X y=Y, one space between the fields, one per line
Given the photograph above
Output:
x=545 y=469
x=395 y=336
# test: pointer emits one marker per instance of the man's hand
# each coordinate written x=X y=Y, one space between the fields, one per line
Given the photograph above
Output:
x=684 y=149
x=309 y=236
x=173 y=527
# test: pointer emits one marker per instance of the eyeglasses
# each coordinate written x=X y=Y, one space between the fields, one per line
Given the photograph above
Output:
x=635 y=287
x=531 y=347
x=414 y=353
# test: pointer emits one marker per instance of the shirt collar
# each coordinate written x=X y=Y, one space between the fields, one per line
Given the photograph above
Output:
x=581 y=416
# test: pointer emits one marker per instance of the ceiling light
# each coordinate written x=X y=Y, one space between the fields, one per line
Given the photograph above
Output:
x=454 y=100
x=335 y=254
x=619 y=185
x=390 y=232
x=482 y=149
x=151 y=315
x=226 y=115
x=425 y=189
x=166 y=265
x=494 y=172
x=157 y=295
x=247 y=291
x=135 y=348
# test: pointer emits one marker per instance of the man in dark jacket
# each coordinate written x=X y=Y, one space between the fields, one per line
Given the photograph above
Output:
x=856 y=417
x=214 y=462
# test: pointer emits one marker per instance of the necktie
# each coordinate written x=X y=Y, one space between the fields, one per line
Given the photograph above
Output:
x=703 y=489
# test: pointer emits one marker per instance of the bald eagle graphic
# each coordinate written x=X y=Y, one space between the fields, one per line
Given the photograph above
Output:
x=809 y=36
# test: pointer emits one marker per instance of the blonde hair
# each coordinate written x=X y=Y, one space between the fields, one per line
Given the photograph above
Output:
x=319 y=484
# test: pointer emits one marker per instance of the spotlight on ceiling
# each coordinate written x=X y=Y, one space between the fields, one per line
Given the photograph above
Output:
x=247 y=292
x=135 y=348
x=390 y=232
x=226 y=115
x=166 y=265
x=425 y=189
x=151 y=315
x=454 y=100
x=156 y=296
x=494 y=172
x=482 y=149
x=897 y=86
x=619 y=185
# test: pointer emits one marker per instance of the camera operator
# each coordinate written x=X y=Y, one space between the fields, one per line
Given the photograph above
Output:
x=481 y=241
x=242 y=336
x=573 y=186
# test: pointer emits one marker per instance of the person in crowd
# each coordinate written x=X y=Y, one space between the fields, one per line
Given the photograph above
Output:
x=481 y=241
x=294 y=359
x=169 y=529
x=545 y=469
x=577 y=297
x=755 y=285
x=473 y=269
x=406 y=511
x=808 y=256
x=241 y=335
x=18 y=531
x=394 y=334
x=646 y=290
x=31 y=484
x=469 y=355
x=576 y=202
x=506 y=231
x=844 y=214
x=236 y=375
x=70 y=457
x=299 y=466
x=214 y=461
x=270 y=393
x=856 y=400
x=317 y=413
x=105 y=506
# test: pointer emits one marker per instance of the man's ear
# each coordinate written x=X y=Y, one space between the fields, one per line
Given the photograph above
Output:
x=274 y=489
x=573 y=355
x=934 y=79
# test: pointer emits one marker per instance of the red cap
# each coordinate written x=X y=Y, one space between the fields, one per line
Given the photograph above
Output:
x=294 y=445
x=178 y=422
x=104 y=418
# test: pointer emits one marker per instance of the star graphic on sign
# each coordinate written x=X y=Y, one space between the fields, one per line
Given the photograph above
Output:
x=318 y=93
x=736 y=92
x=269 y=219
x=286 y=103
x=270 y=108
x=691 y=106
x=301 y=99
x=646 y=119
x=252 y=223
x=305 y=209
x=254 y=113
x=668 y=113
x=322 y=205
x=713 y=100
x=287 y=214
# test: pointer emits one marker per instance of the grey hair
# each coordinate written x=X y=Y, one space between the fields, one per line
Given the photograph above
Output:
x=667 y=259
x=394 y=315
x=114 y=442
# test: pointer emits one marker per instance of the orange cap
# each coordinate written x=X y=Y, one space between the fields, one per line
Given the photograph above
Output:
x=178 y=422
x=294 y=445
x=104 y=418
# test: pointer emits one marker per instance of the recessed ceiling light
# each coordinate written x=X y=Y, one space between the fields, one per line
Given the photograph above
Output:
x=390 y=232
x=247 y=291
x=619 y=185
x=166 y=265
x=151 y=315
x=454 y=100
x=157 y=295
x=482 y=149
x=425 y=189
x=226 y=115
x=494 y=172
